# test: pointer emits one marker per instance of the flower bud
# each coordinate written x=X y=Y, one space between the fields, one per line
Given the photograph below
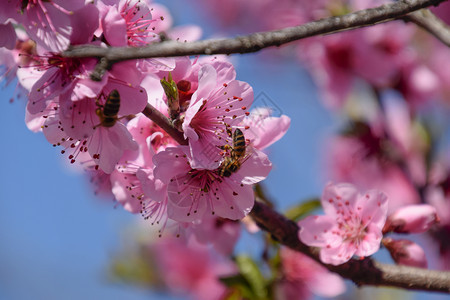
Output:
x=405 y=252
x=411 y=219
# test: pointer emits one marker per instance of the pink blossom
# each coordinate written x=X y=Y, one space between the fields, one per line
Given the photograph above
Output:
x=406 y=137
x=55 y=74
x=412 y=219
x=437 y=54
x=59 y=76
x=385 y=150
x=133 y=181
x=303 y=276
x=221 y=233
x=416 y=81
x=127 y=23
x=437 y=194
x=76 y=126
x=352 y=224
x=185 y=74
x=220 y=102
x=337 y=60
x=405 y=252
x=195 y=192
x=192 y=268
x=348 y=159
x=46 y=22
x=7 y=36
x=263 y=129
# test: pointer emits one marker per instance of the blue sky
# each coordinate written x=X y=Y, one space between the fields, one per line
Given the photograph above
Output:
x=57 y=238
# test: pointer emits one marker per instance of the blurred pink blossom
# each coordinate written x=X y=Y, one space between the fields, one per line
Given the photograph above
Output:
x=7 y=36
x=303 y=276
x=405 y=252
x=192 y=268
x=221 y=233
x=348 y=159
x=412 y=219
x=352 y=224
x=336 y=61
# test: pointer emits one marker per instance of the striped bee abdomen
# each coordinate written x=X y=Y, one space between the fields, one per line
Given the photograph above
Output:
x=108 y=113
x=238 y=144
x=112 y=104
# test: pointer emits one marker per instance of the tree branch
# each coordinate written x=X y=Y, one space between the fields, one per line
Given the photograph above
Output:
x=361 y=272
x=162 y=121
x=256 y=41
x=431 y=23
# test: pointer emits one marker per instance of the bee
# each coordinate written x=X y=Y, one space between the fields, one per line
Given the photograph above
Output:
x=108 y=112
x=232 y=163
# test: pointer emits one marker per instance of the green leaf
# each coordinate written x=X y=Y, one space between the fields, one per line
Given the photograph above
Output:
x=301 y=210
x=134 y=270
x=238 y=287
x=252 y=274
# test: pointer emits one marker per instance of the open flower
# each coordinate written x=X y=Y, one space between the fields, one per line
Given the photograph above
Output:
x=352 y=224
x=219 y=103
x=49 y=23
x=303 y=275
x=194 y=192
x=76 y=127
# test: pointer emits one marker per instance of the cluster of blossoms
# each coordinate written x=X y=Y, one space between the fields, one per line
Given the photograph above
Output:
x=390 y=85
x=100 y=126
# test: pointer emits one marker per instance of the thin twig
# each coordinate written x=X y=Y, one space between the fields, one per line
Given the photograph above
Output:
x=256 y=41
x=162 y=121
x=431 y=23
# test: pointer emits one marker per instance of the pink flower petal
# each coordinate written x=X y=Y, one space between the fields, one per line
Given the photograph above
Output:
x=167 y=164
x=7 y=36
x=374 y=207
x=335 y=196
x=338 y=255
x=254 y=169
x=114 y=27
x=314 y=230
x=186 y=202
x=371 y=241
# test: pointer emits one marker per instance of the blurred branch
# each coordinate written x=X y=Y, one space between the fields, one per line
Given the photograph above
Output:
x=430 y=22
x=361 y=272
x=256 y=41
